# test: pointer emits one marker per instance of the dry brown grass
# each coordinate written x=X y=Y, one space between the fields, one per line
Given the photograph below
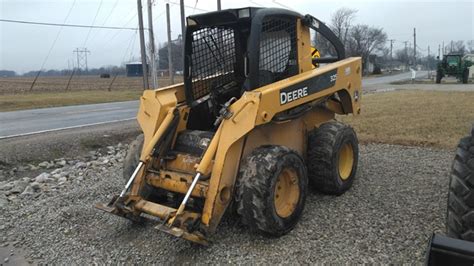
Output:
x=78 y=83
x=422 y=118
x=15 y=92
x=12 y=102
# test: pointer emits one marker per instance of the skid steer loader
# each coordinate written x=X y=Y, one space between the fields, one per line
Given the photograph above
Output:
x=251 y=126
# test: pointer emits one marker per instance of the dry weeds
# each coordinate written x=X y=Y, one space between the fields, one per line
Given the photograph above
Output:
x=15 y=93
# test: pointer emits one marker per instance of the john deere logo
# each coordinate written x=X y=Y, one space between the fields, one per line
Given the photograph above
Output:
x=307 y=87
x=288 y=97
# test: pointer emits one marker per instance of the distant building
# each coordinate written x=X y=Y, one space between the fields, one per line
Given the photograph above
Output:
x=134 y=69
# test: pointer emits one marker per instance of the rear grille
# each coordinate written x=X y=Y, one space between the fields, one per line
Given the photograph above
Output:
x=212 y=59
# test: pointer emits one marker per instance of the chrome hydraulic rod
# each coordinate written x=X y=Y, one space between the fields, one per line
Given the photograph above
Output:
x=130 y=181
x=186 y=197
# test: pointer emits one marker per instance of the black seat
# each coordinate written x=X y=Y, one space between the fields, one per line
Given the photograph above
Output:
x=193 y=142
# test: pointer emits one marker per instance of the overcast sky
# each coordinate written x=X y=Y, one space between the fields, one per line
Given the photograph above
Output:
x=24 y=47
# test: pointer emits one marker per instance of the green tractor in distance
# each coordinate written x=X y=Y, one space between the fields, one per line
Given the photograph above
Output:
x=453 y=65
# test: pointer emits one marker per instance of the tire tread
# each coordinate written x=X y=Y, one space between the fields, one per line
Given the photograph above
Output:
x=460 y=213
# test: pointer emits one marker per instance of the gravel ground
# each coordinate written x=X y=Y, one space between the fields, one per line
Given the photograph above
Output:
x=396 y=202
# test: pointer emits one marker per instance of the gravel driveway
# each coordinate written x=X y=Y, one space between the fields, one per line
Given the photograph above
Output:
x=395 y=204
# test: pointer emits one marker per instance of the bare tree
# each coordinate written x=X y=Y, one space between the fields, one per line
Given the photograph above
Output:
x=470 y=46
x=358 y=40
x=364 y=40
x=403 y=55
x=341 y=22
x=458 y=47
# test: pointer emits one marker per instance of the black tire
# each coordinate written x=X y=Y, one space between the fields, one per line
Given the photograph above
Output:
x=132 y=158
x=460 y=213
x=465 y=76
x=439 y=76
x=255 y=190
x=324 y=151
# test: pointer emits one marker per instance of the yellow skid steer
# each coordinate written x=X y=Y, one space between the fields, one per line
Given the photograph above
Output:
x=250 y=129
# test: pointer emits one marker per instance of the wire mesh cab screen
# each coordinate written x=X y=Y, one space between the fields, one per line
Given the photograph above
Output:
x=213 y=57
x=278 y=49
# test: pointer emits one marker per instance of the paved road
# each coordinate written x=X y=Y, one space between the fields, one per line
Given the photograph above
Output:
x=388 y=79
x=20 y=123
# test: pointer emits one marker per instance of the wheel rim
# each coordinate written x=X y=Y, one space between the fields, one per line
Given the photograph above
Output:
x=346 y=161
x=287 y=193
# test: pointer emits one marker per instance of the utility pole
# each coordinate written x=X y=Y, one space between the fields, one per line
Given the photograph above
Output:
x=218 y=5
x=85 y=51
x=183 y=24
x=142 y=45
x=444 y=51
x=391 y=55
x=152 y=45
x=77 y=56
x=428 y=55
x=428 y=63
x=439 y=51
x=414 y=47
x=170 y=52
x=406 y=52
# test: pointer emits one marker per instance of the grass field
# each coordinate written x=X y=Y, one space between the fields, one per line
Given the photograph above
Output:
x=421 y=118
x=15 y=93
x=17 y=85
x=9 y=102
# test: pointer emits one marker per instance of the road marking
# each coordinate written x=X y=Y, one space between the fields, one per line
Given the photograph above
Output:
x=94 y=110
x=64 y=128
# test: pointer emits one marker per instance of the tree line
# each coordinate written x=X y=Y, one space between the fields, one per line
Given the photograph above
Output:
x=372 y=42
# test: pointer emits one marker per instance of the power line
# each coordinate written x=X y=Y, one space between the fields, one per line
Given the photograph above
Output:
x=66 y=25
x=158 y=16
x=110 y=13
x=118 y=32
x=128 y=18
x=193 y=7
x=52 y=46
x=255 y=3
x=107 y=18
x=130 y=46
x=93 y=21
x=282 y=5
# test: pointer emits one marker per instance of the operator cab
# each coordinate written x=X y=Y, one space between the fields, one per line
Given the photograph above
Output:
x=452 y=60
x=232 y=51
x=221 y=52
